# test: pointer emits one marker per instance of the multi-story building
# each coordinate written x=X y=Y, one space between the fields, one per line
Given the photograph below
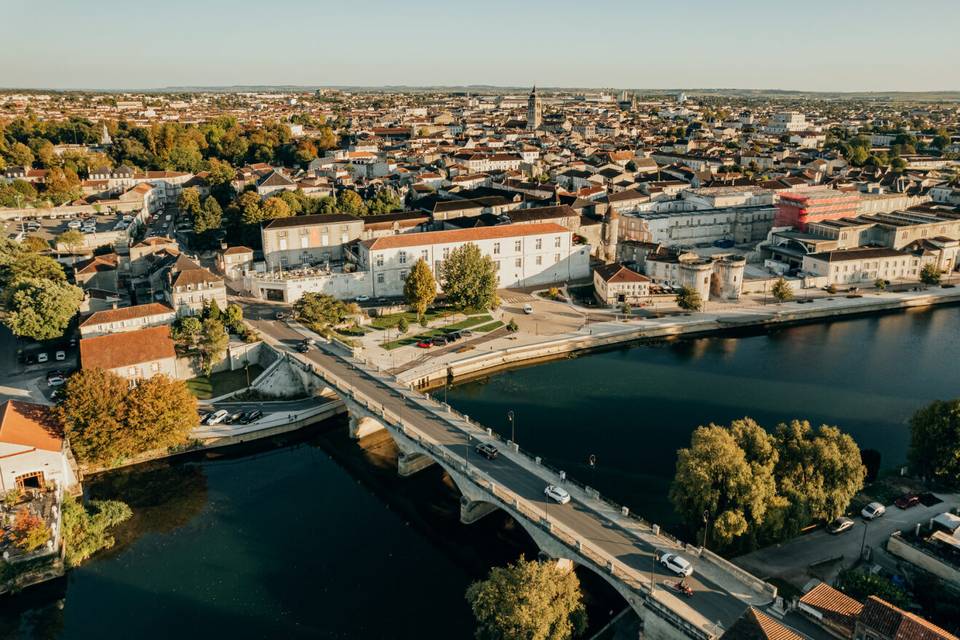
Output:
x=867 y=264
x=310 y=239
x=190 y=287
x=134 y=355
x=786 y=122
x=524 y=254
x=616 y=284
x=798 y=209
x=132 y=318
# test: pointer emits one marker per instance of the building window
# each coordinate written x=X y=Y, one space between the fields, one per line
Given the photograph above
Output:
x=403 y=275
x=446 y=253
x=496 y=248
x=425 y=254
x=403 y=257
x=539 y=243
x=539 y=260
x=556 y=258
x=556 y=242
x=380 y=278
x=516 y=245
x=519 y=262
x=379 y=259
x=155 y=367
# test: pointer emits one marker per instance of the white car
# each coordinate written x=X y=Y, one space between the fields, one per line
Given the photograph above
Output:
x=676 y=564
x=74 y=224
x=361 y=298
x=217 y=417
x=873 y=510
x=528 y=309
x=42 y=357
x=557 y=494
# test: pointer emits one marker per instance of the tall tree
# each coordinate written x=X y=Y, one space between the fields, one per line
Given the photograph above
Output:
x=528 y=600
x=935 y=442
x=469 y=278
x=319 y=311
x=208 y=218
x=275 y=208
x=782 y=291
x=689 y=299
x=420 y=288
x=160 y=412
x=929 y=274
x=213 y=343
x=41 y=309
x=351 y=203
x=93 y=415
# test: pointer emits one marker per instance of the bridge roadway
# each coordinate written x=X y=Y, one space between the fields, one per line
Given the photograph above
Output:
x=712 y=603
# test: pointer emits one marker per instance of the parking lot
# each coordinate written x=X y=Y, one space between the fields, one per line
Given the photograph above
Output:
x=98 y=229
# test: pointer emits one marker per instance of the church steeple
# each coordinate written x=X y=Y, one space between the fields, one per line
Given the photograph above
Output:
x=534 y=111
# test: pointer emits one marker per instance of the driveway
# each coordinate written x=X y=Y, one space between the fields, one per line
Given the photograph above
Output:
x=790 y=561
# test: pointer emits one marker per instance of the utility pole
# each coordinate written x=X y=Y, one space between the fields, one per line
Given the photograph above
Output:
x=513 y=435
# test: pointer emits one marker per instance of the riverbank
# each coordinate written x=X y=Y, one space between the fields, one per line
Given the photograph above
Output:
x=525 y=349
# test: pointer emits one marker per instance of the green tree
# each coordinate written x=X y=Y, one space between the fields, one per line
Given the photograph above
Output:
x=818 y=472
x=689 y=299
x=62 y=185
x=528 y=600
x=420 y=288
x=782 y=291
x=20 y=155
x=189 y=201
x=71 y=239
x=469 y=278
x=727 y=473
x=861 y=586
x=880 y=284
x=251 y=208
x=212 y=343
x=36 y=244
x=929 y=274
x=351 y=203
x=220 y=172
x=86 y=529
x=935 y=442
x=186 y=332
x=233 y=317
x=41 y=309
x=402 y=325
x=209 y=218
x=25 y=265
x=320 y=312
x=327 y=138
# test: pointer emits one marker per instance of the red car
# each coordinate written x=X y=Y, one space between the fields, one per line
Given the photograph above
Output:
x=907 y=501
x=424 y=344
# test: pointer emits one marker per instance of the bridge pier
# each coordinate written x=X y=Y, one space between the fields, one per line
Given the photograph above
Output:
x=473 y=510
x=363 y=426
x=410 y=462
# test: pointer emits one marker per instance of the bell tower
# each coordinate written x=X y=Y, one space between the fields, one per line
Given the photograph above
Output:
x=534 y=111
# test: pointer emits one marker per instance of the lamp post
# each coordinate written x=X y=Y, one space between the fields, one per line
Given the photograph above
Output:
x=863 y=542
x=513 y=434
x=592 y=461
x=653 y=569
x=706 y=521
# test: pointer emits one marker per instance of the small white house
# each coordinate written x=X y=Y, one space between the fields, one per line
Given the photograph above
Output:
x=33 y=452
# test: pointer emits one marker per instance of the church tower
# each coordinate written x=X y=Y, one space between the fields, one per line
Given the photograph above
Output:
x=534 y=111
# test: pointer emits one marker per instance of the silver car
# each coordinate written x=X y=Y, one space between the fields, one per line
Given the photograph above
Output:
x=557 y=494
x=676 y=564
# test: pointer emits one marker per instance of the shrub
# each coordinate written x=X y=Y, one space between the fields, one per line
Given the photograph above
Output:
x=29 y=531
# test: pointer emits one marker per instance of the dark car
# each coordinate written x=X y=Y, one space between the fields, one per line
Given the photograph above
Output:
x=234 y=417
x=281 y=315
x=487 y=450
x=907 y=501
x=303 y=347
x=251 y=416
x=438 y=341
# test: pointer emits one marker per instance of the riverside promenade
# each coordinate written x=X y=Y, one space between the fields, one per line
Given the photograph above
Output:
x=524 y=347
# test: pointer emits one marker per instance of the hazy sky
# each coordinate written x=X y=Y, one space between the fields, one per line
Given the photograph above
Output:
x=838 y=45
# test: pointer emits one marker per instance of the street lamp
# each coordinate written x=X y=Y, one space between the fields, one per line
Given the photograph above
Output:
x=863 y=542
x=513 y=434
x=706 y=520
x=592 y=461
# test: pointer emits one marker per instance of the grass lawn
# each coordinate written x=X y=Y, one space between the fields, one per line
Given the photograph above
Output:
x=467 y=323
x=487 y=328
x=220 y=383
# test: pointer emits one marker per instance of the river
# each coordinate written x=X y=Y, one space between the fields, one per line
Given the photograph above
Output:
x=315 y=536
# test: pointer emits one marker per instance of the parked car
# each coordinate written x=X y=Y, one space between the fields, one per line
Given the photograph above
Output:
x=56 y=378
x=676 y=564
x=251 y=416
x=907 y=500
x=60 y=355
x=280 y=315
x=42 y=357
x=840 y=525
x=453 y=336
x=217 y=417
x=202 y=416
x=74 y=224
x=465 y=333
x=528 y=308
x=487 y=450
x=438 y=341
x=424 y=344
x=873 y=510
x=234 y=417
x=557 y=494
x=361 y=298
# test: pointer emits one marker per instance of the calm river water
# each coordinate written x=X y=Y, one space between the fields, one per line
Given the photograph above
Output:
x=317 y=537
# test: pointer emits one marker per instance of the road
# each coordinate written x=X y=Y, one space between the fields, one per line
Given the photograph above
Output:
x=790 y=560
x=711 y=601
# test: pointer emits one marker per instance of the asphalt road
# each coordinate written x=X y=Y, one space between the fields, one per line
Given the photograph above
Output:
x=710 y=600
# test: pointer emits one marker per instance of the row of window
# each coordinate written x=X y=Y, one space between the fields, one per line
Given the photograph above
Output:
x=403 y=256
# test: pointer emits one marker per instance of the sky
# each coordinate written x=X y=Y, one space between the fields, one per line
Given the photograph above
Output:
x=840 y=45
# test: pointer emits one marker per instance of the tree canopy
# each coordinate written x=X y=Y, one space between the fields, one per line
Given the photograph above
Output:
x=689 y=299
x=108 y=422
x=41 y=309
x=935 y=442
x=754 y=485
x=528 y=600
x=782 y=291
x=469 y=278
x=420 y=288
x=320 y=312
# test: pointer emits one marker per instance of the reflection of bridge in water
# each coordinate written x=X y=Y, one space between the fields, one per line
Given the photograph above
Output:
x=588 y=531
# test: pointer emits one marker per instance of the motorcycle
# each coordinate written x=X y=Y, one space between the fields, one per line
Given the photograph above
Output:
x=684 y=589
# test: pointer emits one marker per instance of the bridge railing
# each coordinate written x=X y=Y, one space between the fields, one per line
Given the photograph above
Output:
x=631 y=577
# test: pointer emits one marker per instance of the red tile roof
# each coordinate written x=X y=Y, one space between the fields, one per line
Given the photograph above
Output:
x=117 y=350
x=126 y=313
x=30 y=425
